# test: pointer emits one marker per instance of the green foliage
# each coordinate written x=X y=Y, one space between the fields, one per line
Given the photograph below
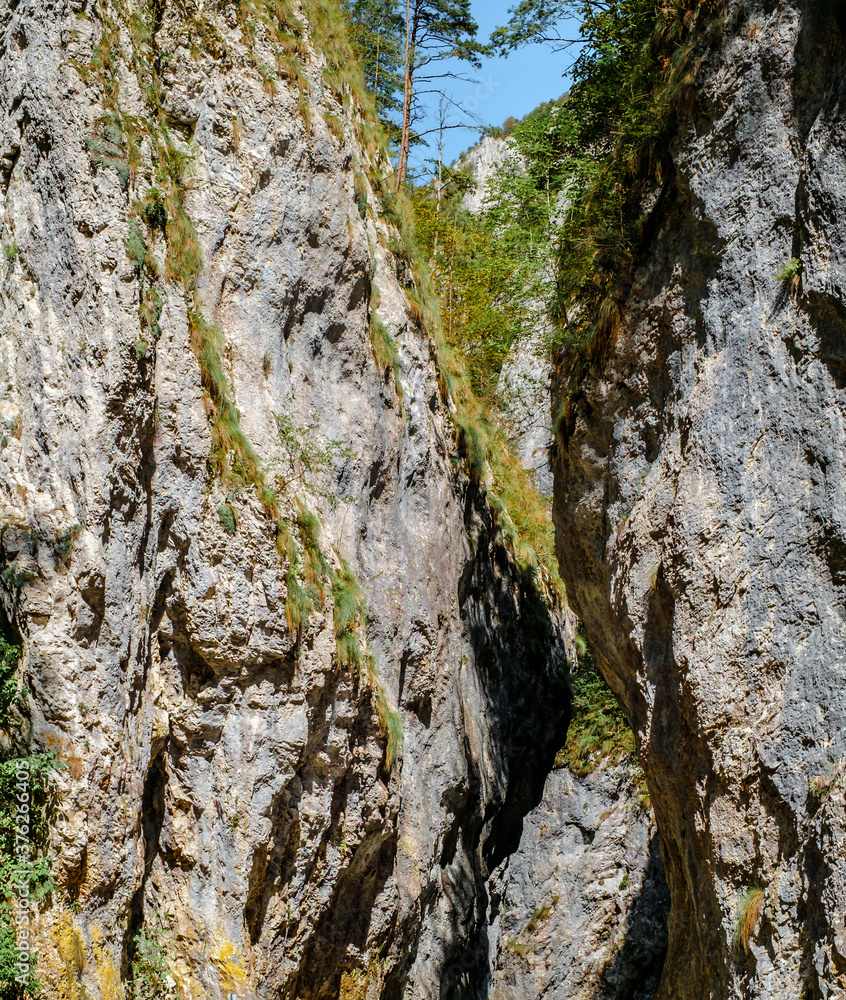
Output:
x=136 y=247
x=11 y=251
x=233 y=456
x=443 y=29
x=350 y=614
x=108 y=147
x=384 y=346
x=227 y=518
x=300 y=601
x=540 y=915
x=791 y=271
x=63 y=546
x=25 y=857
x=377 y=31
x=474 y=294
x=598 y=729
x=390 y=721
x=634 y=77
x=9 y=657
x=436 y=30
x=14 y=577
x=476 y=276
x=306 y=456
x=154 y=211
x=349 y=617
x=150 y=966
x=317 y=567
x=350 y=622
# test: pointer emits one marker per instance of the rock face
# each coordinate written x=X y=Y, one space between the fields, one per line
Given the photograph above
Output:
x=700 y=508
x=196 y=649
x=481 y=163
x=584 y=911
x=523 y=397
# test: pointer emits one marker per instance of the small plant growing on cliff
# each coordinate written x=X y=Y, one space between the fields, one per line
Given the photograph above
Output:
x=26 y=860
x=791 y=271
x=150 y=972
x=11 y=251
x=306 y=454
x=227 y=518
x=748 y=914
x=598 y=729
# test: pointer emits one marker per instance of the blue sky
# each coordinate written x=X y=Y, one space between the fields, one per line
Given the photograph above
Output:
x=511 y=86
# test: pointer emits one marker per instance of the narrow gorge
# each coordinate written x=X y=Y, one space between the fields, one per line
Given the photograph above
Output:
x=332 y=670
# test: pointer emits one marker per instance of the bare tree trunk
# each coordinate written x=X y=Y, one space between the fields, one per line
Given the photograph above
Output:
x=405 y=141
x=376 y=79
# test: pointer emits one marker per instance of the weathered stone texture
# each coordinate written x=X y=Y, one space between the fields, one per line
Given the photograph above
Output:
x=699 y=501
x=226 y=776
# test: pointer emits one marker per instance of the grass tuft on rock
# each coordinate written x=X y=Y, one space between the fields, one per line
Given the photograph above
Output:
x=749 y=912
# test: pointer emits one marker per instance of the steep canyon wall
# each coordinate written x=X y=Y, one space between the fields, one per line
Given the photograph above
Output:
x=700 y=508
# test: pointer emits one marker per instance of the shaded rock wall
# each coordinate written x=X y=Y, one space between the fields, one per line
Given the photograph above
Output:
x=585 y=904
x=700 y=511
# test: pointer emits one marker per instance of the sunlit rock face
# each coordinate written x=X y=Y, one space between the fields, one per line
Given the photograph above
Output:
x=227 y=792
x=699 y=504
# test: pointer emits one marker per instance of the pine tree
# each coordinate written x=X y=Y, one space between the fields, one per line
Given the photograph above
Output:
x=377 y=28
x=434 y=30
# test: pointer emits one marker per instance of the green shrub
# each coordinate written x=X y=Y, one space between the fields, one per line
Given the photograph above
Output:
x=154 y=211
x=34 y=867
x=150 y=966
x=14 y=577
x=136 y=247
x=11 y=251
x=598 y=729
x=227 y=518
x=791 y=271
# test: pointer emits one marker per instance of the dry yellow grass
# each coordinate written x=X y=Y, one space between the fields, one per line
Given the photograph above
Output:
x=748 y=914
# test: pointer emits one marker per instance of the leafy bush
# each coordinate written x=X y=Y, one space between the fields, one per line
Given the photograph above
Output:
x=306 y=455
x=598 y=729
x=150 y=968
x=791 y=270
x=32 y=867
x=227 y=518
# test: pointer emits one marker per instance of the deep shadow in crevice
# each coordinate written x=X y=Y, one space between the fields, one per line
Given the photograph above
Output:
x=820 y=47
x=827 y=316
x=152 y=818
x=635 y=971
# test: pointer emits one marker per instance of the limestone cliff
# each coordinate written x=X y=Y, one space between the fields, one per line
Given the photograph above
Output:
x=699 y=501
x=301 y=692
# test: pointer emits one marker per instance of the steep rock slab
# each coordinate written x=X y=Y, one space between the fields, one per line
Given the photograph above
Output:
x=204 y=674
x=700 y=509
x=585 y=904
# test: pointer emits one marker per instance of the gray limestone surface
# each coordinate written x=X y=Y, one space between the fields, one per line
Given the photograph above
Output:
x=700 y=512
x=225 y=788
